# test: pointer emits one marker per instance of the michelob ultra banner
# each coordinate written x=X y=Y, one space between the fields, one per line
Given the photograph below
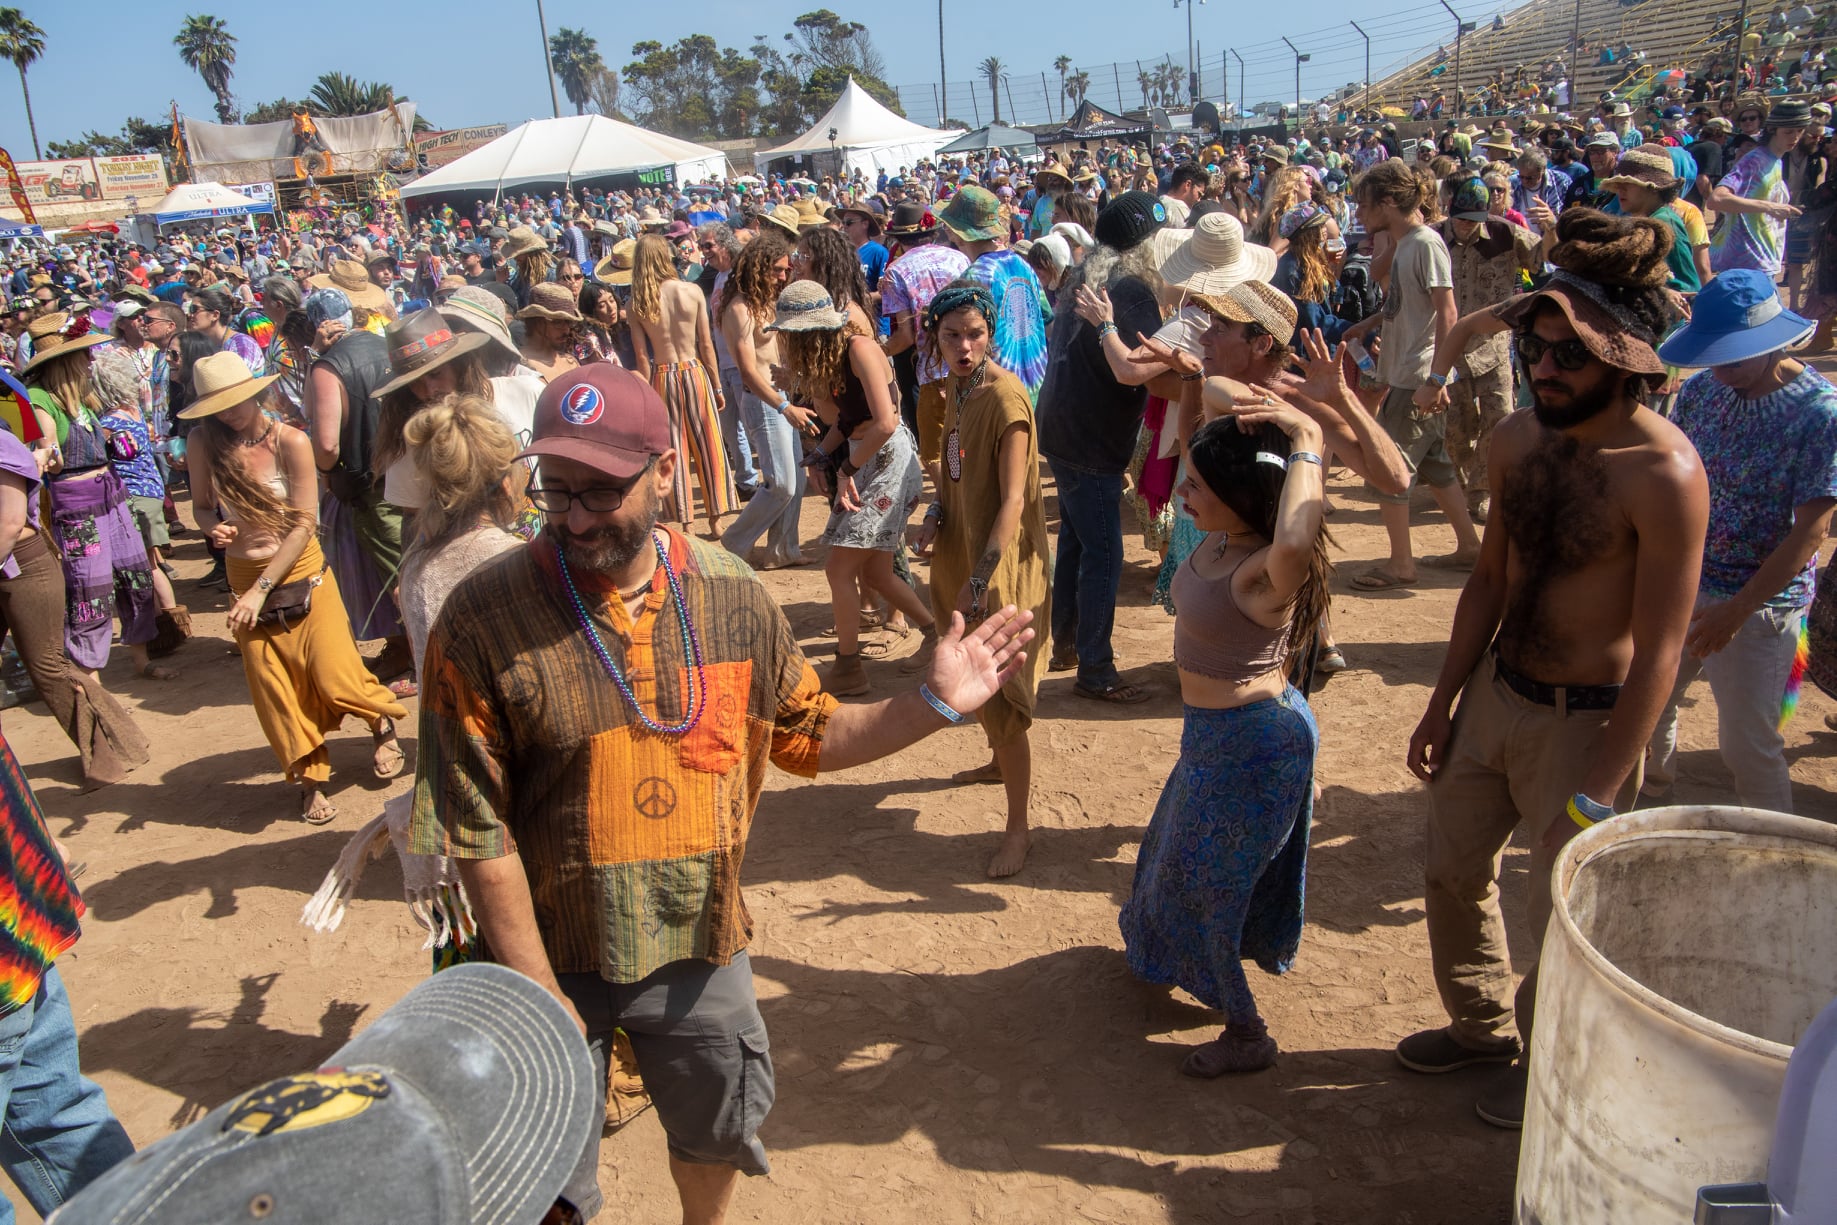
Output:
x=16 y=188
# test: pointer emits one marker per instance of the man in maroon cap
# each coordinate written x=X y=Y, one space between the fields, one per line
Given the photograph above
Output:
x=598 y=710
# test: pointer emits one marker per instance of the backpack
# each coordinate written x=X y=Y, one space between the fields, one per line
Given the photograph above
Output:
x=1356 y=298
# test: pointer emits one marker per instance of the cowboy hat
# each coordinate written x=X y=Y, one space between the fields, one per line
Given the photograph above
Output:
x=523 y=241
x=910 y=219
x=1212 y=256
x=1051 y=167
x=222 y=381
x=650 y=219
x=422 y=342
x=348 y=277
x=615 y=269
x=785 y=218
x=477 y=309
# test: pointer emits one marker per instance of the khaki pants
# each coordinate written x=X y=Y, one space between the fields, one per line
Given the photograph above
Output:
x=1477 y=404
x=1509 y=760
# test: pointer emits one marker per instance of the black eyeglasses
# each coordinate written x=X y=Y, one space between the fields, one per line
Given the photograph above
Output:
x=1570 y=355
x=601 y=499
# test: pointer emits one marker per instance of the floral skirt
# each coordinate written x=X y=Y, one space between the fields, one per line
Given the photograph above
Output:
x=1222 y=870
x=107 y=572
x=889 y=486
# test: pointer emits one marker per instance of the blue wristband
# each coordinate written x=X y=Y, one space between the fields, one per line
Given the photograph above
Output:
x=938 y=704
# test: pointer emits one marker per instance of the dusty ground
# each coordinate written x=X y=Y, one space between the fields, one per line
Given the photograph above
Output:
x=948 y=1049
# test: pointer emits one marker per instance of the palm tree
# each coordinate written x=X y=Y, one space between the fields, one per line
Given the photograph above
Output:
x=338 y=95
x=209 y=49
x=994 y=73
x=1060 y=65
x=22 y=42
x=1077 y=86
x=575 y=55
x=1148 y=84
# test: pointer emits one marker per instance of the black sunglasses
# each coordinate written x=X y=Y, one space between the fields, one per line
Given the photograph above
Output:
x=601 y=499
x=1570 y=355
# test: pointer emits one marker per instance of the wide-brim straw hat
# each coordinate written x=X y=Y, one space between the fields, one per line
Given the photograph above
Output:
x=477 y=309
x=523 y=241
x=52 y=347
x=350 y=278
x=805 y=306
x=422 y=342
x=810 y=214
x=616 y=268
x=1642 y=167
x=222 y=381
x=1212 y=257
x=551 y=301
x=1254 y=302
x=1051 y=169
x=785 y=218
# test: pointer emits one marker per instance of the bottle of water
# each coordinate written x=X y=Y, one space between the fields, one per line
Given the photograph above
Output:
x=1361 y=356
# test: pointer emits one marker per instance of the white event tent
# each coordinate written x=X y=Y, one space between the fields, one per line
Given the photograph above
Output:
x=203 y=201
x=867 y=136
x=568 y=150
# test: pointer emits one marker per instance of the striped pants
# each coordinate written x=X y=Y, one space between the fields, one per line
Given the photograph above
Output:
x=695 y=433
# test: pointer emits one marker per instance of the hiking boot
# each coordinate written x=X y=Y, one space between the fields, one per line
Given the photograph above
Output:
x=847 y=678
x=920 y=660
x=1230 y=1054
x=1502 y=1104
x=1434 y=1051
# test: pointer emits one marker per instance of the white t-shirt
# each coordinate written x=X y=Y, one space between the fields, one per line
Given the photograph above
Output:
x=514 y=396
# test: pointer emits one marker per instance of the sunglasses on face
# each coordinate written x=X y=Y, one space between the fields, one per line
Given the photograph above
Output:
x=1570 y=355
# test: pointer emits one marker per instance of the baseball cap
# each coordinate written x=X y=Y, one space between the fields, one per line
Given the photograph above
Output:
x=469 y=1101
x=1603 y=140
x=602 y=416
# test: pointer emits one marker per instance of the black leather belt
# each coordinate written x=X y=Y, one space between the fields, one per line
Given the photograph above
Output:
x=1563 y=697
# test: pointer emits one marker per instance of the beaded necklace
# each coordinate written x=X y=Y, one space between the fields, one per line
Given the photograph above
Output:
x=692 y=647
x=953 y=446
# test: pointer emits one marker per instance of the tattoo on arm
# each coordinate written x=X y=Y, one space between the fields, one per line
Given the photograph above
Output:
x=985 y=566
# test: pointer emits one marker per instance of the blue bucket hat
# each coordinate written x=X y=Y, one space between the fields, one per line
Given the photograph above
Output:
x=1738 y=315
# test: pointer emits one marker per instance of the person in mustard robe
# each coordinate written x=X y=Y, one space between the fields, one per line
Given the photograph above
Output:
x=986 y=533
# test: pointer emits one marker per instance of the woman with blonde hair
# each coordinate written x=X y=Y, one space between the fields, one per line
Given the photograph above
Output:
x=844 y=374
x=673 y=344
x=107 y=572
x=1285 y=189
x=302 y=665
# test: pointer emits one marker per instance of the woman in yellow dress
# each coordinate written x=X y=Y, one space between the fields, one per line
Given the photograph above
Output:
x=986 y=533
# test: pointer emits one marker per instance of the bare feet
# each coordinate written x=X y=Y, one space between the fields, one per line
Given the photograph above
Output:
x=158 y=673
x=990 y=773
x=1010 y=856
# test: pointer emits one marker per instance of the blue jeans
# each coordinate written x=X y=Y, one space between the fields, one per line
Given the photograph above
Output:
x=734 y=431
x=774 y=508
x=59 y=1134
x=1088 y=569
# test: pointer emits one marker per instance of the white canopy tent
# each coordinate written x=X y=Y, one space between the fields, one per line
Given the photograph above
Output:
x=203 y=201
x=867 y=136
x=568 y=150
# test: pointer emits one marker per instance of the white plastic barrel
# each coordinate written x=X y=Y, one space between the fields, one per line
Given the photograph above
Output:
x=1688 y=950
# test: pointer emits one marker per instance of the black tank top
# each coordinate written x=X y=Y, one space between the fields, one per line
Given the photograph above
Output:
x=361 y=362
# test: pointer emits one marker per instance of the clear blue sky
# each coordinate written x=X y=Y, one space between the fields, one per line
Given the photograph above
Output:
x=468 y=62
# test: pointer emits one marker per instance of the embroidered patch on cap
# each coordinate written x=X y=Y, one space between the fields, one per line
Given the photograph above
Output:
x=583 y=405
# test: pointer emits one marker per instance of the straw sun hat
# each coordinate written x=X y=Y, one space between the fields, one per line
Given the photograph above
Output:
x=222 y=381
x=49 y=341
x=804 y=306
x=1212 y=256
x=1253 y=302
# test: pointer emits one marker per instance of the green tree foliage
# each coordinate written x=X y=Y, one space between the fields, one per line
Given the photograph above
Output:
x=994 y=72
x=136 y=136
x=21 y=44
x=281 y=110
x=209 y=49
x=575 y=55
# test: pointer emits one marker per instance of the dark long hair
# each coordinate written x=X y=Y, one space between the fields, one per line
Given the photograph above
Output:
x=1225 y=458
x=833 y=264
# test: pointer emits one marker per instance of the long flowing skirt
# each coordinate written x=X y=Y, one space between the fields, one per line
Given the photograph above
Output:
x=368 y=606
x=1222 y=870
x=687 y=390
x=107 y=572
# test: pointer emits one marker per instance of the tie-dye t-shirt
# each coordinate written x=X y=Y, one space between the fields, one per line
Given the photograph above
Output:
x=1020 y=316
x=1749 y=240
x=39 y=907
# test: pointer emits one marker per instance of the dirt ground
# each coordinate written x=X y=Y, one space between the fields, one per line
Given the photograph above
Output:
x=948 y=1049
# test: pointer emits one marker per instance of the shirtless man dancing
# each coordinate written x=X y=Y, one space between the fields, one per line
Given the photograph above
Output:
x=674 y=348
x=1566 y=639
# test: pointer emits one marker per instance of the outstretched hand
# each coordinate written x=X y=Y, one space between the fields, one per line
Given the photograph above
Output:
x=969 y=669
x=1179 y=361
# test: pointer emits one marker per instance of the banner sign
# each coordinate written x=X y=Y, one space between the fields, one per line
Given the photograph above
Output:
x=262 y=192
x=138 y=174
x=434 y=149
x=61 y=182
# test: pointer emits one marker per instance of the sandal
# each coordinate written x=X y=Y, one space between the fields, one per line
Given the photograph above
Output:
x=1119 y=692
x=388 y=759
x=1230 y=1053
x=1331 y=661
x=320 y=811
x=1379 y=579
x=404 y=686
x=869 y=621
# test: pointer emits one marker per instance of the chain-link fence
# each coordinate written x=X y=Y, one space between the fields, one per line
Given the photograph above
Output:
x=1259 y=73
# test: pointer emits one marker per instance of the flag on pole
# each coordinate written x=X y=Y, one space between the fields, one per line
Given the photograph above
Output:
x=17 y=188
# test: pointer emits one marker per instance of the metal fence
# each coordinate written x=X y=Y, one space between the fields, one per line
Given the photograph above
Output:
x=1259 y=72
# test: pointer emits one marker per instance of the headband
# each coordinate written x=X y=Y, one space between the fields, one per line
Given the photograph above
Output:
x=961 y=295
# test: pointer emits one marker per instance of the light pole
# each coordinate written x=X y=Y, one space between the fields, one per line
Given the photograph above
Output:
x=943 y=81
x=1367 y=38
x=1192 y=67
x=1240 y=82
x=542 y=24
x=1300 y=59
x=1460 y=28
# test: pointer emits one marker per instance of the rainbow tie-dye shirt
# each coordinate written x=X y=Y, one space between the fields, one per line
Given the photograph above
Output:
x=39 y=907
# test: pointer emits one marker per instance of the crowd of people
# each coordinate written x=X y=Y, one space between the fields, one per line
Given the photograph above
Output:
x=538 y=449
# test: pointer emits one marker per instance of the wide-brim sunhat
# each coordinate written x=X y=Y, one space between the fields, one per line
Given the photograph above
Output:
x=616 y=268
x=1737 y=316
x=63 y=349
x=785 y=218
x=456 y=346
x=1212 y=256
x=350 y=278
x=462 y=310
x=805 y=306
x=222 y=380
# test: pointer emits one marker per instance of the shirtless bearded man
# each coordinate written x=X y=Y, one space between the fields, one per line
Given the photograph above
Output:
x=674 y=346
x=1566 y=639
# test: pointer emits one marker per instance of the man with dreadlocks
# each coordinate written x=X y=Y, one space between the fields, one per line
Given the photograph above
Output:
x=1566 y=639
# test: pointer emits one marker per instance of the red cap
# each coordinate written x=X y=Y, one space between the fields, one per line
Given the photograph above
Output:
x=602 y=416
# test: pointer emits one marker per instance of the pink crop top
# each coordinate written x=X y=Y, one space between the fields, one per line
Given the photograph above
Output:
x=1212 y=636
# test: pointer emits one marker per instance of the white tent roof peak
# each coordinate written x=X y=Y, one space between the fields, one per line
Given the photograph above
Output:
x=569 y=148
x=862 y=124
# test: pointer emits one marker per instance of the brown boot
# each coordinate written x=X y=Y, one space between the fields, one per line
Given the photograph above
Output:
x=847 y=678
x=1821 y=339
x=173 y=628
